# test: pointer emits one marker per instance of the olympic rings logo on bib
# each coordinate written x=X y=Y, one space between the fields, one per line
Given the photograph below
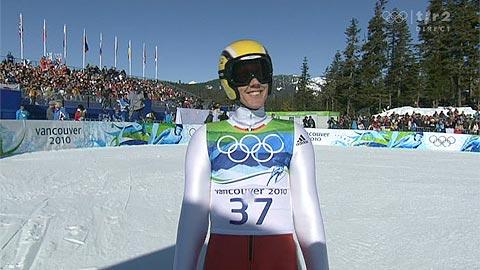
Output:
x=254 y=151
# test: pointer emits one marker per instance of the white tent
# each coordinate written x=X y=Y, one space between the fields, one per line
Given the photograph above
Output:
x=427 y=111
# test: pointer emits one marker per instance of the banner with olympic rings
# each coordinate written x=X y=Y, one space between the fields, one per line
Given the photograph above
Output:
x=37 y=135
x=396 y=139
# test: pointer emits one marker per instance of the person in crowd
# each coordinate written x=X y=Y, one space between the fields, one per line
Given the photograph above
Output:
x=22 y=113
x=305 y=122
x=209 y=118
x=105 y=116
x=475 y=128
x=440 y=126
x=375 y=124
x=32 y=93
x=136 y=98
x=354 y=124
x=59 y=112
x=150 y=117
x=50 y=110
x=331 y=123
x=311 y=122
x=361 y=126
x=168 y=117
x=124 y=107
x=117 y=114
x=413 y=125
x=80 y=113
x=216 y=112
x=223 y=116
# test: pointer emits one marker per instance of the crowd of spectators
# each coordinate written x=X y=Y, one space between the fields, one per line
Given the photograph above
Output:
x=53 y=80
x=453 y=120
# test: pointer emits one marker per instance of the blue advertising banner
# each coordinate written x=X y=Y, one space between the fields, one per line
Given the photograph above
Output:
x=17 y=136
x=36 y=135
x=396 y=139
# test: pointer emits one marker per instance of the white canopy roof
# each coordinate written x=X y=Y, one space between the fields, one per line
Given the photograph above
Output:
x=427 y=111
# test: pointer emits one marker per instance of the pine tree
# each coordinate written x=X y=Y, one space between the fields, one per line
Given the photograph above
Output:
x=450 y=51
x=415 y=86
x=350 y=76
x=304 y=98
x=472 y=20
x=400 y=81
x=332 y=87
x=374 y=60
x=434 y=55
x=464 y=48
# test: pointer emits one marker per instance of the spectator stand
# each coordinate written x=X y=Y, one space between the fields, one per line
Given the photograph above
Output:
x=96 y=89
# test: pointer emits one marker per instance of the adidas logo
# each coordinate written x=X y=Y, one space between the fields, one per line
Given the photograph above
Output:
x=301 y=140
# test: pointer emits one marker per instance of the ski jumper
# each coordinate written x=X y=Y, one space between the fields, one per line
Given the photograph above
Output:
x=253 y=178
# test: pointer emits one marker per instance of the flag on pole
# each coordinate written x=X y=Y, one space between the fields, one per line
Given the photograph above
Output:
x=101 y=41
x=44 y=37
x=20 y=26
x=144 y=60
x=20 y=32
x=116 y=51
x=100 y=52
x=129 y=50
x=156 y=55
x=144 y=54
x=84 y=47
x=156 y=63
x=130 y=57
x=85 y=42
x=65 y=43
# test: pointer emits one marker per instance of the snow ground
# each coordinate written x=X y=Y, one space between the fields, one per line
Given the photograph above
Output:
x=117 y=208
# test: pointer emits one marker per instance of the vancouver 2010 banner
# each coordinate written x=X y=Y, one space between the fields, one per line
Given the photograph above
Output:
x=18 y=136
x=396 y=139
x=35 y=135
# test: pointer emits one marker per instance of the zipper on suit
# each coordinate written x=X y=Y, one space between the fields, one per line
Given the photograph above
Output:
x=250 y=124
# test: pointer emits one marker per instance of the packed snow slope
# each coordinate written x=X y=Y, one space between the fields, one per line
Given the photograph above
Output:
x=118 y=208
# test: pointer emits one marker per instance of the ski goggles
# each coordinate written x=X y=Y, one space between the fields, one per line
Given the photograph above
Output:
x=239 y=72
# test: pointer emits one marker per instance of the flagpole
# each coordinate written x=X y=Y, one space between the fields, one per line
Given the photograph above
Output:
x=21 y=36
x=44 y=38
x=144 y=60
x=156 y=63
x=83 y=48
x=130 y=58
x=116 y=49
x=65 y=43
x=101 y=41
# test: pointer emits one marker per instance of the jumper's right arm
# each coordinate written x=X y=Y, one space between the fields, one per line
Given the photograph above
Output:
x=193 y=224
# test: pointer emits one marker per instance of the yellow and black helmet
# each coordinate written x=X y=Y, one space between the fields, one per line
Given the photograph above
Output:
x=240 y=62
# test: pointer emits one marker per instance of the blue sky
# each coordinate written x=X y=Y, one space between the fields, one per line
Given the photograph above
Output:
x=190 y=34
